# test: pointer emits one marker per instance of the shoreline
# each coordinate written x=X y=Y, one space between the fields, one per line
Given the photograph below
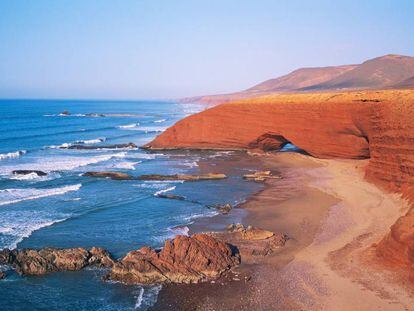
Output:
x=323 y=206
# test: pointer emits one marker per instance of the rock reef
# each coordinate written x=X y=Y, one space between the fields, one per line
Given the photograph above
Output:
x=185 y=177
x=46 y=260
x=110 y=175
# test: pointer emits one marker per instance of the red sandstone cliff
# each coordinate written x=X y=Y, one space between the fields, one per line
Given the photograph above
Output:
x=370 y=124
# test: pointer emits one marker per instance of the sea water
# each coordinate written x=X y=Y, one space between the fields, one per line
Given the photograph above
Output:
x=66 y=209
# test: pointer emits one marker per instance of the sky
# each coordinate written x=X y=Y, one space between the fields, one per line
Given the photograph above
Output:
x=138 y=49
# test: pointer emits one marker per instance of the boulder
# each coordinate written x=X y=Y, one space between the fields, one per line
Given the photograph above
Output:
x=42 y=261
x=2 y=275
x=185 y=259
x=94 y=147
x=26 y=172
x=65 y=113
x=111 y=175
x=185 y=177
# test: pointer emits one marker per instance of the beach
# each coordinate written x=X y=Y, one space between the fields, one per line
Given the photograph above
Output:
x=332 y=217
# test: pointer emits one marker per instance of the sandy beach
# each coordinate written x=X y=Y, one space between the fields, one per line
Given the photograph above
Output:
x=332 y=217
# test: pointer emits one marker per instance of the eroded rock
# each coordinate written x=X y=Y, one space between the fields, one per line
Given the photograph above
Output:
x=46 y=260
x=185 y=177
x=182 y=260
x=222 y=208
x=260 y=176
x=95 y=147
x=251 y=241
x=111 y=175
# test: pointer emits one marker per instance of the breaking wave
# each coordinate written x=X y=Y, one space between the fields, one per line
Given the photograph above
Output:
x=11 y=196
x=12 y=155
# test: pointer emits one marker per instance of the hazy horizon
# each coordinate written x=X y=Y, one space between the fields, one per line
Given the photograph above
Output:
x=151 y=49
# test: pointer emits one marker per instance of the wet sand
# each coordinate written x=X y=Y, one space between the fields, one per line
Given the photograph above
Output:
x=332 y=217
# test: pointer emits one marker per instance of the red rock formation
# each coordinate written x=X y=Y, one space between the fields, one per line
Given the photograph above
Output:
x=42 y=261
x=182 y=260
x=372 y=124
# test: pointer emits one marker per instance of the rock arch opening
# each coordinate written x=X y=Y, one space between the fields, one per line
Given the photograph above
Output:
x=274 y=142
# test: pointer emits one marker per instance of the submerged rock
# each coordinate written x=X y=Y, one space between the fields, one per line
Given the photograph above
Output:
x=46 y=260
x=27 y=172
x=185 y=177
x=88 y=147
x=185 y=259
x=111 y=175
x=260 y=176
x=170 y=196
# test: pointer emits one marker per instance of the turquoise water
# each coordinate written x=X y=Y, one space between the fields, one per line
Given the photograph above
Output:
x=64 y=209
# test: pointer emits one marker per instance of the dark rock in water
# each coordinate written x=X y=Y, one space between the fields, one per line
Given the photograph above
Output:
x=42 y=261
x=2 y=275
x=26 y=172
x=87 y=147
x=184 y=177
x=182 y=260
x=65 y=113
x=95 y=115
x=170 y=196
x=111 y=175
x=224 y=209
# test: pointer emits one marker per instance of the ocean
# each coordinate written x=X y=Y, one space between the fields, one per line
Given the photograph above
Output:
x=64 y=209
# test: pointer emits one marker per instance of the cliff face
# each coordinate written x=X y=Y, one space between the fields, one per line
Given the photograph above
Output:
x=375 y=124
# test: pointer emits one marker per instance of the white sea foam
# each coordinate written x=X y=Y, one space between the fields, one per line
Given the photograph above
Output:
x=34 y=177
x=126 y=165
x=80 y=142
x=139 y=298
x=129 y=126
x=180 y=230
x=146 y=129
x=63 y=163
x=22 y=227
x=190 y=164
x=91 y=141
x=12 y=155
x=147 y=297
x=164 y=191
x=146 y=156
x=160 y=121
x=10 y=196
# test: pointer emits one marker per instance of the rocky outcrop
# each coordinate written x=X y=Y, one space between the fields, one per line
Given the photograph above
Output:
x=251 y=242
x=222 y=208
x=352 y=125
x=398 y=246
x=27 y=172
x=260 y=176
x=110 y=175
x=42 y=261
x=182 y=260
x=185 y=177
x=87 y=147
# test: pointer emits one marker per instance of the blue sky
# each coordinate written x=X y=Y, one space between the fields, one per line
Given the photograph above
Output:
x=167 y=49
